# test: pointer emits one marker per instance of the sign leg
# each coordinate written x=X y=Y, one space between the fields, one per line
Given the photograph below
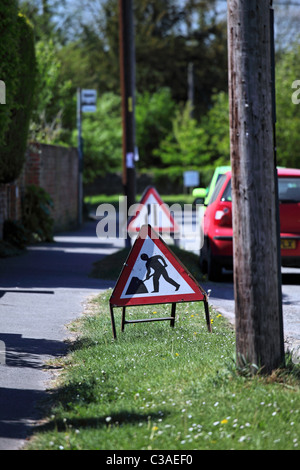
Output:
x=113 y=322
x=123 y=318
x=208 y=322
x=172 y=322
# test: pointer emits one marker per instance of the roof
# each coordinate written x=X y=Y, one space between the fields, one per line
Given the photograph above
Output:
x=281 y=172
x=288 y=172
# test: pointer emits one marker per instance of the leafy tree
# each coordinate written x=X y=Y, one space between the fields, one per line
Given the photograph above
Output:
x=43 y=14
x=78 y=65
x=102 y=132
x=186 y=145
x=154 y=113
x=52 y=96
x=91 y=55
x=216 y=127
x=198 y=145
x=168 y=36
x=102 y=135
x=54 y=106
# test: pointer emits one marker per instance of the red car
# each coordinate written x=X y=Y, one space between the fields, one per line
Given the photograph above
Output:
x=217 y=252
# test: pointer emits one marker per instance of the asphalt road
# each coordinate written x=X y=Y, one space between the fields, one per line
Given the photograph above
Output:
x=222 y=295
x=46 y=288
x=222 y=299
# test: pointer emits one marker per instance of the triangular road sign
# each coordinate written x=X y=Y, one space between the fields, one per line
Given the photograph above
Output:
x=153 y=211
x=152 y=274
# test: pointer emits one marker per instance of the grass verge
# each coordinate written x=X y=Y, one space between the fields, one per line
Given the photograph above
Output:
x=114 y=199
x=110 y=266
x=158 y=387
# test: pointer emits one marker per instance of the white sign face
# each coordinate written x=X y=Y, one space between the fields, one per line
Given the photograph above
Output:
x=153 y=214
x=88 y=101
x=191 y=178
x=2 y=353
x=88 y=109
x=151 y=210
x=2 y=92
x=154 y=275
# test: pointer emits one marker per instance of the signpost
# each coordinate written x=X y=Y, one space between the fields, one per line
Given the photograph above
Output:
x=2 y=92
x=151 y=275
x=191 y=179
x=151 y=210
x=86 y=103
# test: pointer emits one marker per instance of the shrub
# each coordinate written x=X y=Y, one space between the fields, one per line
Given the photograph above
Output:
x=37 y=218
x=15 y=233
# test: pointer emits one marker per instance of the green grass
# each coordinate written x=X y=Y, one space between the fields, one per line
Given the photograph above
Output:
x=114 y=199
x=158 y=387
x=110 y=266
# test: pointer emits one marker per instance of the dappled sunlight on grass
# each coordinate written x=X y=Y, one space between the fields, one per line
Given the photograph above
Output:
x=158 y=387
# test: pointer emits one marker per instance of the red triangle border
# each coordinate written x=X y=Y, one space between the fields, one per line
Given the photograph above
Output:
x=150 y=190
x=146 y=230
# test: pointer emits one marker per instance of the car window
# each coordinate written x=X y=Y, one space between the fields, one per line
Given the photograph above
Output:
x=227 y=193
x=217 y=189
x=289 y=189
x=218 y=177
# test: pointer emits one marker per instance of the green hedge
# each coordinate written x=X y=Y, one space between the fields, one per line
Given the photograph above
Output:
x=18 y=70
x=170 y=180
x=9 y=60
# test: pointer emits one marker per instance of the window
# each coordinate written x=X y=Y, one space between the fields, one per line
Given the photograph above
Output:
x=227 y=193
x=289 y=189
x=217 y=189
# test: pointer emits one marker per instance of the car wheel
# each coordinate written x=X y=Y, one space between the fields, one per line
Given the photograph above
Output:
x=203 y=257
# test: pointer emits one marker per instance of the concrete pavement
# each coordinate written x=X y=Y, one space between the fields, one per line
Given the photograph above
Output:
x=41 y=292
x=222 y=299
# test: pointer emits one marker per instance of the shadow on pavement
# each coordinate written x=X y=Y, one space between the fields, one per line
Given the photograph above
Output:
x=15 y=420
x=33 y=326
x=66 y=263
x=291 y=279
x=26 y=352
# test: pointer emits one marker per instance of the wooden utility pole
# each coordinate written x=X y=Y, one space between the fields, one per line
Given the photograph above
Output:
x=257 y=281
x=127 y=78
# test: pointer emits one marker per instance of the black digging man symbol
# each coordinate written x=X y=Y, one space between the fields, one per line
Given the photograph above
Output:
x=158 y=265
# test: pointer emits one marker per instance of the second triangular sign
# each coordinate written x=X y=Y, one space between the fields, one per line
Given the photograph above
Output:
x=152 y=210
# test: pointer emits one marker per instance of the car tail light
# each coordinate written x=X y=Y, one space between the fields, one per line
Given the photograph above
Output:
x=223 y=216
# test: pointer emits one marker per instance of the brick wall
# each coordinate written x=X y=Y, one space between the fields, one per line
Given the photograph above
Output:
x=56 y=170
x=53 y=168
